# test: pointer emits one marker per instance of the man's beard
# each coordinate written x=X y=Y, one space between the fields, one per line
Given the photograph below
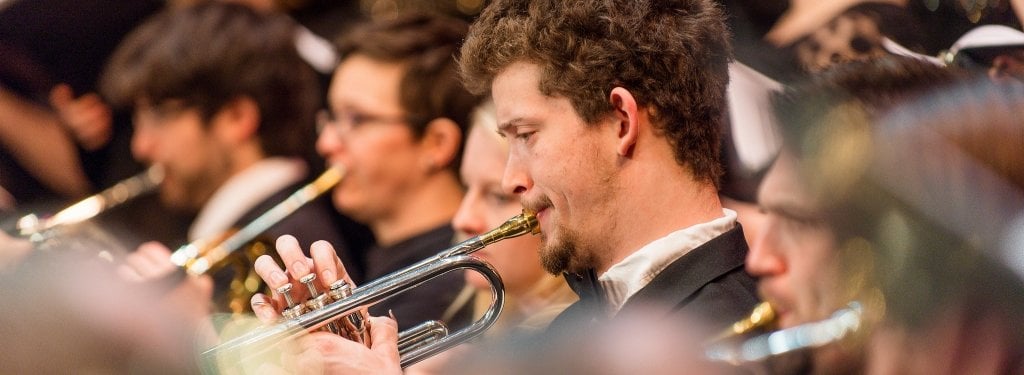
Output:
x=565 y=254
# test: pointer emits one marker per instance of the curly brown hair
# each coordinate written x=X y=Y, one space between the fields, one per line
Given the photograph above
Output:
x=672 y=55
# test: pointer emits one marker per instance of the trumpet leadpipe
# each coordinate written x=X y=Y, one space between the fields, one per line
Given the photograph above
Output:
x=32 y=225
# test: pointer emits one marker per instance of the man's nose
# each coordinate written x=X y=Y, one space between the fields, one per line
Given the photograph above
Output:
x=516 y=179
x=764 y=257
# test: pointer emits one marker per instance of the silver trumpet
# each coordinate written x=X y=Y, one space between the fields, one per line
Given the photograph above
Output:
x=841 y=324
x=340 y=309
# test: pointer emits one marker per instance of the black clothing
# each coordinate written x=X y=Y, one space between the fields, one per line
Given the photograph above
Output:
x=709 y=283
x=429 y=301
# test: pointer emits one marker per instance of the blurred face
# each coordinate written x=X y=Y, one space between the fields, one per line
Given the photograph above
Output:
x=367 y=133
x=485 y=206
x=556 y=165
x=794 y=256
x=195 y=159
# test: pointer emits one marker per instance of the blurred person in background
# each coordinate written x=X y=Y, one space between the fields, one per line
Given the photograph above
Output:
x=532 y=297
x=941 y=203
x=225 y=105
x=59 y=138
x=395 y=122
x=824 y=33
x=804 y=272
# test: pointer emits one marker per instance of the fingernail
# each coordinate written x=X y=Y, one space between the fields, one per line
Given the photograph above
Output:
x=278 y=278
x=299 y=268
x=261 y=312
x=328 y=276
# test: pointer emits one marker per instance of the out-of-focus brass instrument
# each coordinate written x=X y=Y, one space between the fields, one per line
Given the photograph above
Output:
x=239 y=251
x=339 y=310
x=733 y=349
x=38 y=229
x=72 y=230
x=761 y=317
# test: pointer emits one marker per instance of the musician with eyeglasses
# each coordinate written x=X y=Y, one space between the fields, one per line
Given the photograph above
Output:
x=395 y=122
x=224 y=105
x=612 y=112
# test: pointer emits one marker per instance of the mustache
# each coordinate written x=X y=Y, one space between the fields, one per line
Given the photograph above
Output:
x=536 y=204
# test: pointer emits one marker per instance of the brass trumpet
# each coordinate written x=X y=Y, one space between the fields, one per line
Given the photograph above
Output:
x=237 y=250
x=761 y=317
x=70 y=229
x=841 y=324
x=339 y=309
x=38 y=229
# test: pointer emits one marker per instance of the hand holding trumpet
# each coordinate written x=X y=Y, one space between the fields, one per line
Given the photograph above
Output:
x=320 y=352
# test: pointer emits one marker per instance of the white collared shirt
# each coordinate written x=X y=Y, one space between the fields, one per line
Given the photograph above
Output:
x=630 y=275
x=242 y=192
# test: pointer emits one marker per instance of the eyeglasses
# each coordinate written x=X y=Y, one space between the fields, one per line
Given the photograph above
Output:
x=348 y=121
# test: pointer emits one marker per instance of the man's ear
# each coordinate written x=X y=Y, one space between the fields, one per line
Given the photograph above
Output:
x=627 y=118
x=440 y=143
x=237 y=121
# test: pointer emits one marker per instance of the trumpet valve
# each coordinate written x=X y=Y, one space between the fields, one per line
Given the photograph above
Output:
x=352 y=326
x=293 y=310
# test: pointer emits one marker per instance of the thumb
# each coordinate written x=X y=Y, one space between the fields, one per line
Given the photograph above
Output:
x=384 y=337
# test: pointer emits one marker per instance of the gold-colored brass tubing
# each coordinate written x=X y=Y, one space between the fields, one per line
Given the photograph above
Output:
x=240 y=250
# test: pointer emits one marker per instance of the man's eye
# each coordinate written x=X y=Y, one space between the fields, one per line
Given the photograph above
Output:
x=524 y=135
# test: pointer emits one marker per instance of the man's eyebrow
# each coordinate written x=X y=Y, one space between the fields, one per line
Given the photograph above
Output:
x=509 y=126
x=792 y=212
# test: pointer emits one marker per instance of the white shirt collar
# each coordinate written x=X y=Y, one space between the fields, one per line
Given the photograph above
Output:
x=630 y=275
x=242 y=192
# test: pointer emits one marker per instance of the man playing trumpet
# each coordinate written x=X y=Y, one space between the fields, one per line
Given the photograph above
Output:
x=612 y=111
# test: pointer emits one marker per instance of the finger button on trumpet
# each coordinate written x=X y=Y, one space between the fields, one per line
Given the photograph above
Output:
x=286 y=291
x=308 y=281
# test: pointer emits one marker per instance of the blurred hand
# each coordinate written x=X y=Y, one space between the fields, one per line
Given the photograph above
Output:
x=89 y=119
x=12 y=250
x=152 y=262
x=327 y=353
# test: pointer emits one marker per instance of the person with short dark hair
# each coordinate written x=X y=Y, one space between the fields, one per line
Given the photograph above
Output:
x=225 y=105
x=396 y=121
x=805 y=271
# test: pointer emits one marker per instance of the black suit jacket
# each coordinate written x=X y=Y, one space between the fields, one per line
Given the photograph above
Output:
x=708 y=283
